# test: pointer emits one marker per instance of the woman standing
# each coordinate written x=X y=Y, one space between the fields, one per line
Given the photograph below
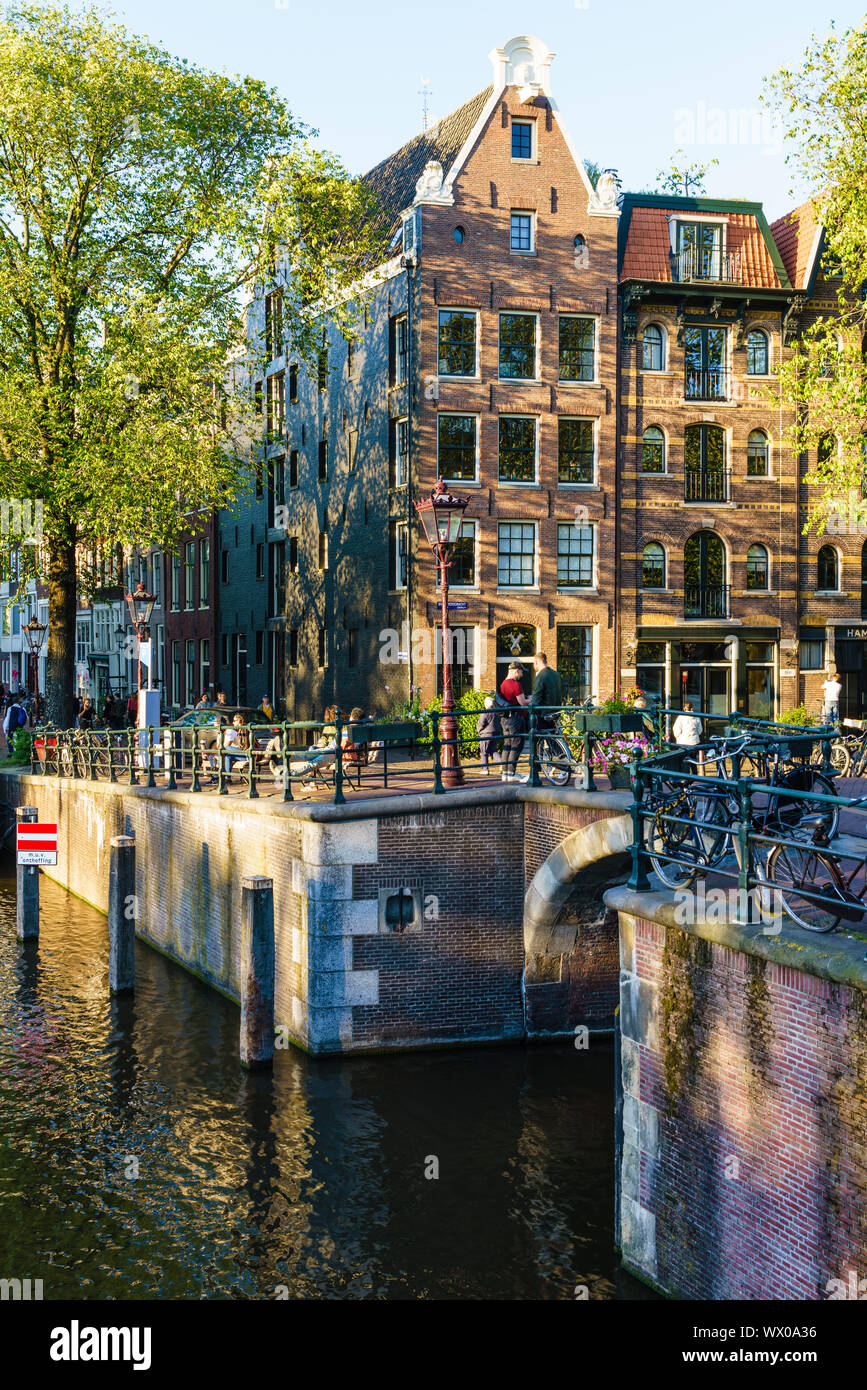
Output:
x=514 y=722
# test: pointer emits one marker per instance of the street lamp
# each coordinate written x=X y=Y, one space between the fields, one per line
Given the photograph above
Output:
x=35 y=635
x=442 y=515
x=141 y=605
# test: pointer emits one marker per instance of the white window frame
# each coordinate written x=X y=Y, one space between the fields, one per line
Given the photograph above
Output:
x=531 y=214
x=446 y=477
x=528 y=314
x=471 y=313
x=594 y=420
x=453 y=583
x=519 y=415
x=400 y=459
x=569 y=586
x=573 y=381
x=401 y=532
x=525 y=588
x=532 y=156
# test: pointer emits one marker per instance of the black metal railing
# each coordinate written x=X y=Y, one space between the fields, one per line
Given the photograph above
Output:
x=706 y=485
x=706 y=600
x=705 y=384
x=705 y=263
x=773 y=841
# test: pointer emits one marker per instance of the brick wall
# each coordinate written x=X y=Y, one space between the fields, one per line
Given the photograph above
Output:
x=744 y=1104
x=345 y=980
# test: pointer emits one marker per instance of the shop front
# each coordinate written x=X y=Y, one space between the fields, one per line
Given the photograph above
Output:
x=850 y=660
x=716 y=674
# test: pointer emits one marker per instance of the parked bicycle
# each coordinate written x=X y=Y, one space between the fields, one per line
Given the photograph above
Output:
x=691 y=827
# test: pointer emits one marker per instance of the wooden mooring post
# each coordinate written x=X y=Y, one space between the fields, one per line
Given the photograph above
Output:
x=122 y=914
x=257 y=973
x=27 y=884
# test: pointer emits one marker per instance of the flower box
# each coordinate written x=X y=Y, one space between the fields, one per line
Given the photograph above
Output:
x=624 y=722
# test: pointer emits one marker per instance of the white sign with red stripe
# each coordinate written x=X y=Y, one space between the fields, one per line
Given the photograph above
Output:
x=37 y=842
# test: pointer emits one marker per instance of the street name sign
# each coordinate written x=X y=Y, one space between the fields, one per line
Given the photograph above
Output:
x=37 y=842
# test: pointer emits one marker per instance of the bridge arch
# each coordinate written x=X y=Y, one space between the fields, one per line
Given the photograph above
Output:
x=554 y=881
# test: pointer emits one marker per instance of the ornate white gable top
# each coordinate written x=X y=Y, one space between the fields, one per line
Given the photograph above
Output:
x=429 y=188
x=523 y=62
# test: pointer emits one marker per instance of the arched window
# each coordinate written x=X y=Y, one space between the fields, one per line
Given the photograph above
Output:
x=827 y=567
x=826 y=447
x=705 y=592
x=705 y=473
x=757 y=567
x=757 y=353
x=653 y=450
x=757 y=454
x=653 y=566
x=582 y=253
x=652 y=359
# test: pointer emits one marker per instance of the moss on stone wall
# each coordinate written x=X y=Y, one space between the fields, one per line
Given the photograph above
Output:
x=681 y=987
x=758 y=1020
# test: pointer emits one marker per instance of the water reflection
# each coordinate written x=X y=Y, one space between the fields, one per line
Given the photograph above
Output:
x=137 y=1159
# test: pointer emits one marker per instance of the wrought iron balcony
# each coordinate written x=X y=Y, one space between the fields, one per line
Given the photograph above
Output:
x=703 y=263
x=706 y=485
x=705 y=384
x=706 y=601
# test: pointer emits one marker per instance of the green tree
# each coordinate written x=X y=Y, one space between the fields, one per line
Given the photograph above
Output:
x=822 y=103
x=683 y=180
x=140 y=198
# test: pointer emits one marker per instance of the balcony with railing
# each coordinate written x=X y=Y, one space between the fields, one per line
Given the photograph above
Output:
x=706 y=485
x=706 y=263
x=705 y=384
x=706 y=601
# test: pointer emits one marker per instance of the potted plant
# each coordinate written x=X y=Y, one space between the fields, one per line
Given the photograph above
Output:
x=616 y=714
x=612 y=756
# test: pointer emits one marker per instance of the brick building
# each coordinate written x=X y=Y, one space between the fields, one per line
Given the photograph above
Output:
x=187 y=638
x=709 y=493
x=832 y=571
x=486 y=356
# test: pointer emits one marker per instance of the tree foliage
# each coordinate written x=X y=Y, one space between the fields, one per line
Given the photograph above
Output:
x=140 y=198
x=822 y=102
x=681 y=179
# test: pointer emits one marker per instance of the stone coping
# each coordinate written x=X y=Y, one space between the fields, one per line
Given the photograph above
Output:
x=367 y=808
x=834 y=957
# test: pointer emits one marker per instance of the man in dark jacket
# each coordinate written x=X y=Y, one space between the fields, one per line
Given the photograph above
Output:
x=547 y=688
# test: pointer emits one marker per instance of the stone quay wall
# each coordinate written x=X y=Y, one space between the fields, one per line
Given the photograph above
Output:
x=346 y=979
x=742 y=1172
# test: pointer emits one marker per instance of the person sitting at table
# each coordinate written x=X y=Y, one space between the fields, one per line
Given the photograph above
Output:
x=236 y=741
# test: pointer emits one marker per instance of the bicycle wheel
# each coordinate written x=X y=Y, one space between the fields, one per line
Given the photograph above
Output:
x=841 y=758
x=555 y=762
x=714 y=809
x=787 y=811
x=661 y=839
x=793 y=872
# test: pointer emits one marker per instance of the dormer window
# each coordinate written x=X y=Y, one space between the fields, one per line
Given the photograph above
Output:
x=699 y=251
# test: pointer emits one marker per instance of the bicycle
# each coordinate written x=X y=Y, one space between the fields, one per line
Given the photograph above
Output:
x=694 y=820
x=848 y=753
x=814 y=891
x=553 y=754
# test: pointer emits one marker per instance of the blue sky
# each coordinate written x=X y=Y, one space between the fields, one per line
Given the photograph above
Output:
x=634 y=81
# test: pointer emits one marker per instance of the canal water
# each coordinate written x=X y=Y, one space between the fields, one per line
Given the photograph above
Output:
x=137 y=1160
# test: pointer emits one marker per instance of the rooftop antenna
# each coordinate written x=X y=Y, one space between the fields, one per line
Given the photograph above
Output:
x=425 y=93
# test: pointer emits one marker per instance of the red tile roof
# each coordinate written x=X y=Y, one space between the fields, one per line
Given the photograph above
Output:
x=647 y=248
x=795 y=235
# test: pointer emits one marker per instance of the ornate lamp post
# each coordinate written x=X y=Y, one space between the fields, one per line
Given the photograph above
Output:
x=441 y=515
x=35 y=632
x=141 y=605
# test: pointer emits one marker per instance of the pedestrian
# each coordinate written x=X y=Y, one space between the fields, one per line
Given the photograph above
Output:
x=15 y=719
x=686 y=730
x=266 y=709
x=547 y=690
x=132 y=710
x=488 y=728
x=87 y=715
x=514 y=721
x=203 y=702
x=831 y=692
